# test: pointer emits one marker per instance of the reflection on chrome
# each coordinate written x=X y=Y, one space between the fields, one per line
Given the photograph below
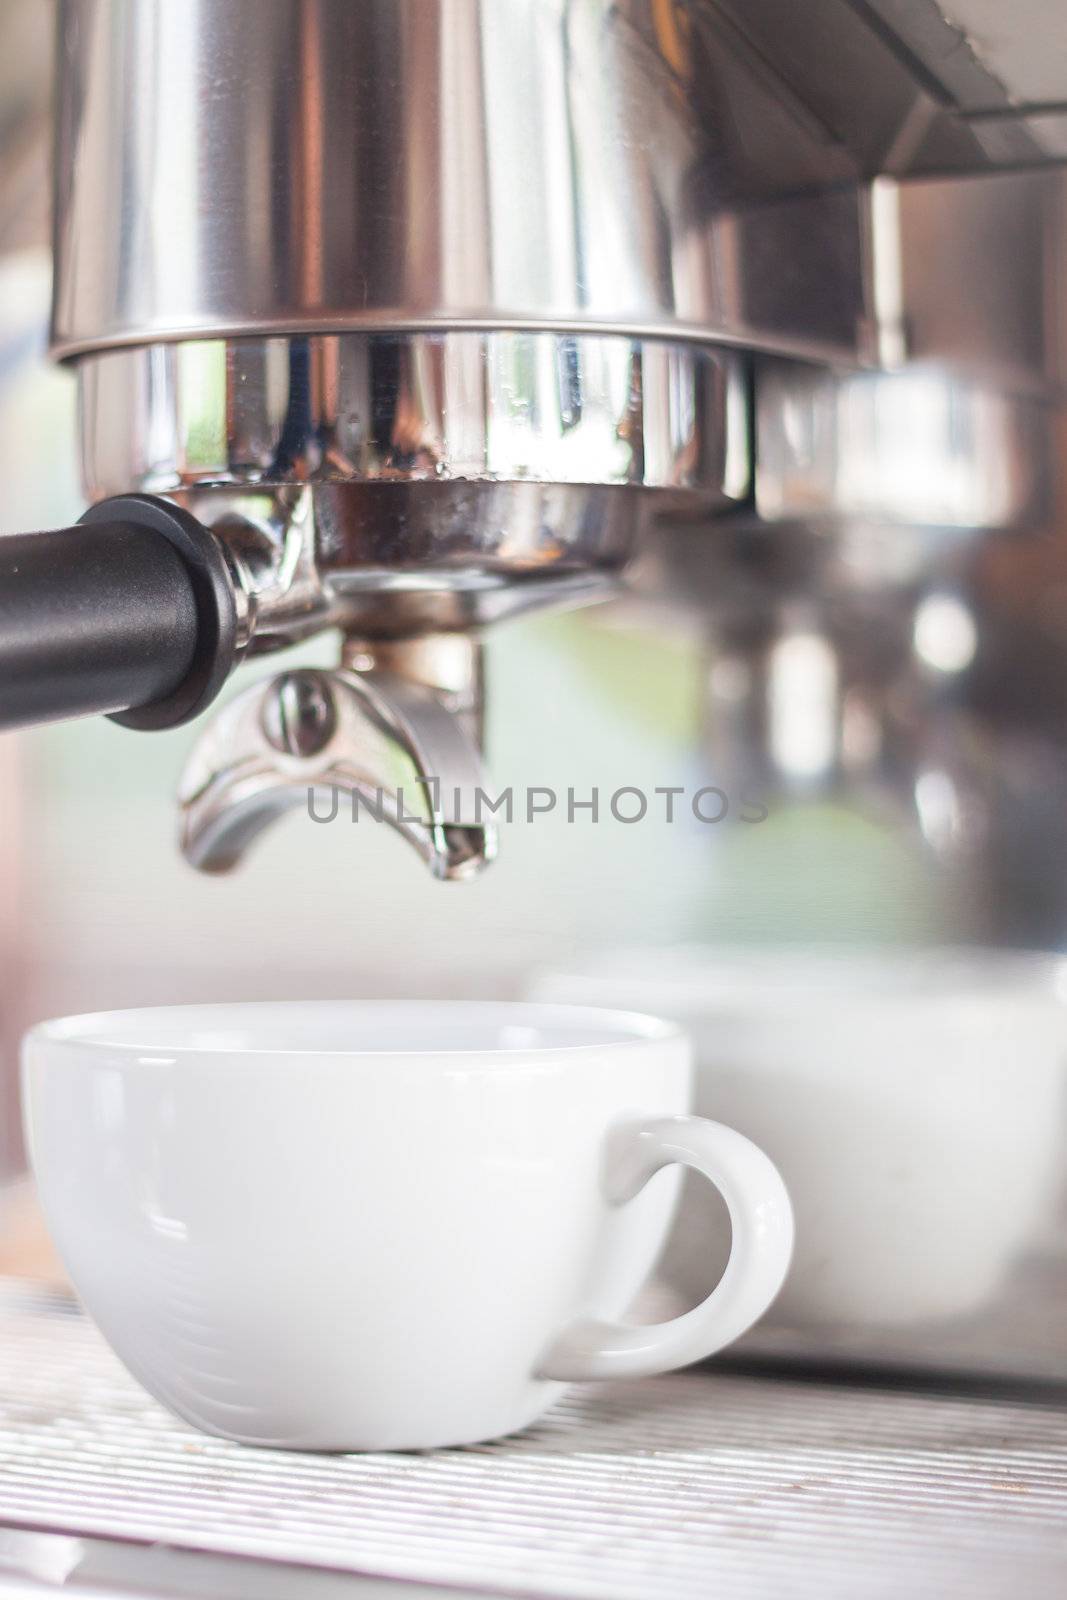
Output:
x=428 y=407
x=946 y=635
x=802 y=701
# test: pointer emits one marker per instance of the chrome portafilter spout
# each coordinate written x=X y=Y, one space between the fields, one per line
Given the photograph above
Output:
x=377 y=738
x=335 y=522
x=404 y=408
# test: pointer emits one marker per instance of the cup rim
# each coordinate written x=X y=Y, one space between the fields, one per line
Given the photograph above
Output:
x=126 y=1034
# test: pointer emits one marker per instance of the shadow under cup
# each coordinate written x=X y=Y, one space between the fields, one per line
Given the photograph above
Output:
x=348 y=1226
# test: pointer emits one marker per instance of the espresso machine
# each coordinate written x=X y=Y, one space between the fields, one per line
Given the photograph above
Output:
x=392 y=321
x=400 y=319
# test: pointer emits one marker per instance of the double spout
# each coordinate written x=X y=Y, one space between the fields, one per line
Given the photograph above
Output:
x=372 y=736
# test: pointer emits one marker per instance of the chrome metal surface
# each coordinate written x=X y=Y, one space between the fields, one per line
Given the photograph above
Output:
x=866 y=699
x=451 y=664
x=986 y=65
x=403 y=560
x=310 y=165
x=642 y=166
x=969 y=272
x=920 y=448
x=905 y=88
x=975 y=269
x=399 y=560
x=400 y=483
x=470 y=407
x=913 y=676
x=368 y=745
x=680 y=1487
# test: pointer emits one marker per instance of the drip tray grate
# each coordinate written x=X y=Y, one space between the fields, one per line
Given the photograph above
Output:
x=694 y=1485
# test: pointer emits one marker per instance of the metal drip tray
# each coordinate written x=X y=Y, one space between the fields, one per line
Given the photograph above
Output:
x=698 y=1484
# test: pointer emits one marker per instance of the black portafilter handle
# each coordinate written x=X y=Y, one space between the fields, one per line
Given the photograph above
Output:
x=131 y=612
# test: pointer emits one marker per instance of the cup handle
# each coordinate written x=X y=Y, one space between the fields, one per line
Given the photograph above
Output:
x=762 y=1221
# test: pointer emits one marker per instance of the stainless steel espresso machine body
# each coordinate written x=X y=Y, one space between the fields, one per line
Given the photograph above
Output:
x=433 y=313
x=413 y=308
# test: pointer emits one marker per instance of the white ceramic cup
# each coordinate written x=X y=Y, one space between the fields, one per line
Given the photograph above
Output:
x=914 y=1101
x=356 y=1226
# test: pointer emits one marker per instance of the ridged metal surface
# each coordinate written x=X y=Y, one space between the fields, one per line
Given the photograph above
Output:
x=693 y=1485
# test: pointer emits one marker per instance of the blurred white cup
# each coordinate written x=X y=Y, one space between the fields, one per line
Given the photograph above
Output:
x=914 y=1101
